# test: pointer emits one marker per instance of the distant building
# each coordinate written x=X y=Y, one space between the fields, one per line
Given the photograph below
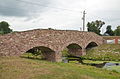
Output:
x=111 y=39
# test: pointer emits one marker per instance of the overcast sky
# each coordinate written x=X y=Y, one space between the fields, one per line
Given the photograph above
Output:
x=58 y=14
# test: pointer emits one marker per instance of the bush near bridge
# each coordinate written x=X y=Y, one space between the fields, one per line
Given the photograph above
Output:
x=106 y=52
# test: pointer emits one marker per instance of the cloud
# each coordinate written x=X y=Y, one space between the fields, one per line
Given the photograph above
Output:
x=58 y=14
x=22 y=8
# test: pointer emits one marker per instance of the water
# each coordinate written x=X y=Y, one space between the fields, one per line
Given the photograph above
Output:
x=64 y=59
x=111 y=64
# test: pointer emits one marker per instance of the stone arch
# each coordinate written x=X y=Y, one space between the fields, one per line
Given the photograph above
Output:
x=48 y=53
x=72 y=42
x=74 y=49
x=91 y=44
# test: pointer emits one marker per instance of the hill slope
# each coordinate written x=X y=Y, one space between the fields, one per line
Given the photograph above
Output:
x=104 y=52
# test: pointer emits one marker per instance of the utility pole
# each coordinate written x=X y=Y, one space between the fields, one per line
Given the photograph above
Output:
x=84 y=13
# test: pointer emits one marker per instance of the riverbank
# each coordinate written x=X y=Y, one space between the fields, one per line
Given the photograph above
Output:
x=23 y=68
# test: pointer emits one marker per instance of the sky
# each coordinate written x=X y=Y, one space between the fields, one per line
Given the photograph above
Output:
x=58 y=14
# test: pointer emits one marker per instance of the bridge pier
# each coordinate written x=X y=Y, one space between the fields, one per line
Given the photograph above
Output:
x=58 y=57
x=83 y=51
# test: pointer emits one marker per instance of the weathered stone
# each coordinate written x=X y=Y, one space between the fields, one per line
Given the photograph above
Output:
x=15 y=44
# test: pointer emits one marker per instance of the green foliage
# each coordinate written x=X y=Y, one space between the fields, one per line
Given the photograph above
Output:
x=109 y=30
x=33 y=53
x=95 y=26
x=4 y=28
x=36 y=53
x=65 y=53
x=117 y=31
x=50 y=29
x=27 y=55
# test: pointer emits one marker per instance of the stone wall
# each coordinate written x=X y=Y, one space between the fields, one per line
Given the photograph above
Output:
x=15 y=44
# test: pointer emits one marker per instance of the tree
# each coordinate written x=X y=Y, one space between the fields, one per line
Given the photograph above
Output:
x=95 y=26
x=4 y=28
x=35 y=52
x=109 y=31
x=50 y=29
x=117 y=31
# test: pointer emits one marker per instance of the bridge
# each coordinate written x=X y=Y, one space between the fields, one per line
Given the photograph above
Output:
x=50 y=42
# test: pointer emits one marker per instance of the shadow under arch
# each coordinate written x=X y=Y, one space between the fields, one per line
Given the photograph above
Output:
x=74 y=49
x=91 y=45
x=46 y=52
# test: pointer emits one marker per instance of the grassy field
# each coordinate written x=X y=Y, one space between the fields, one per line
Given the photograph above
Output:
x=107 y=52
x=22 y=68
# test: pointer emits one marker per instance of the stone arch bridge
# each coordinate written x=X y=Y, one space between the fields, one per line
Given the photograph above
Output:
x=51 y=42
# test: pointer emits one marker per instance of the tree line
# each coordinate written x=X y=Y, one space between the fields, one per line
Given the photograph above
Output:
x=95 y=26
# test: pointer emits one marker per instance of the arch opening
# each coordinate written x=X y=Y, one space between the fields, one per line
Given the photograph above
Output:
x=72 y=50
x=40 y=52
x=91 y=45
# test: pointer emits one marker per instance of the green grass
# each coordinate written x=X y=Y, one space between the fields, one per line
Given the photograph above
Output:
x=113 y=68
x=21 y=68
x=98 y=62
x=107 y=52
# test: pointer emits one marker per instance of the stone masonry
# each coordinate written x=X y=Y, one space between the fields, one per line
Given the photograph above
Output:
x=15 y=44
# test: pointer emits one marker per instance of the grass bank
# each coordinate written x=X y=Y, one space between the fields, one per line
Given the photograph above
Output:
x=21 y=68
x=106 y=52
